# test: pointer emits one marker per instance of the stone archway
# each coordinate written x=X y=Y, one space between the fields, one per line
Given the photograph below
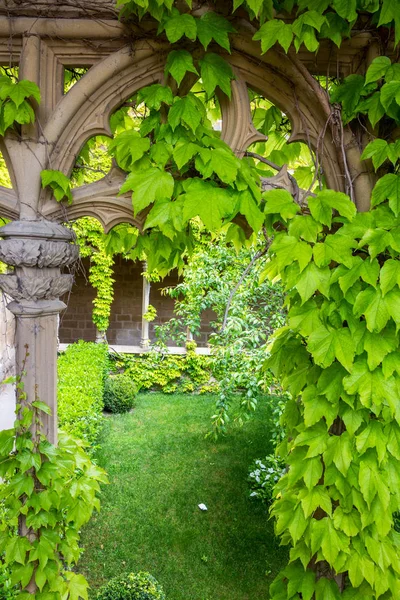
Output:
x=120 y=63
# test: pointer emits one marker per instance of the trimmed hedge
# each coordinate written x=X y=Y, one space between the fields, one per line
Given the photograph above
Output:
x=119 y=394
x=132 y=586
x=82 y=370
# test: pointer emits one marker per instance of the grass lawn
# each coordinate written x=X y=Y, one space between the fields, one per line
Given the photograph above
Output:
x=160 y=468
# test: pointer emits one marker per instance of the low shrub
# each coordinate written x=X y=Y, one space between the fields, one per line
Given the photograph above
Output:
x=132 y=586
x=169 y=373
x=82 y=369
x=119 y=394
x=264 y=475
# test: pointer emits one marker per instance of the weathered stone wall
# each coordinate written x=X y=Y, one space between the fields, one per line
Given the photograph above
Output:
x=126 y=311
x=59 y=8
x=7 y=366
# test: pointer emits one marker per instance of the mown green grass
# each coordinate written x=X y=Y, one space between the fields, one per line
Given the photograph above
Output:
x=161 y=467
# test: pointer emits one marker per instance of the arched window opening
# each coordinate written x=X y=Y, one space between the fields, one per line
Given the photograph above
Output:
x=72 y=75
x=94 y=161
x=277 y=150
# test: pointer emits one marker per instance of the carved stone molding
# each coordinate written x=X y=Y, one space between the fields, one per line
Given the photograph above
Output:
x=35 y=287
x=37 y=249
x=100 y=200
x=36 y=253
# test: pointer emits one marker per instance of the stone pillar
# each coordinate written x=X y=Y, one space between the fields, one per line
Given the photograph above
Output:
x=37 y=249
x=145 y=340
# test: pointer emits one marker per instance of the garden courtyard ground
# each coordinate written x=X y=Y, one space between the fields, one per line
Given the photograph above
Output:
x=161 y=467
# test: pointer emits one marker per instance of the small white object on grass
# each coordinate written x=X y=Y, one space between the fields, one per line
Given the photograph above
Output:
x=202 y=507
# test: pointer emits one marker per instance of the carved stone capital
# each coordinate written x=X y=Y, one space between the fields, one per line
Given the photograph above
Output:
x=37 y=253
x=35 y=287
x=36 y=249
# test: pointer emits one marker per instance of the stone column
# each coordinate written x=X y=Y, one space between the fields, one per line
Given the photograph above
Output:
x=37 y=249
x=145 y=340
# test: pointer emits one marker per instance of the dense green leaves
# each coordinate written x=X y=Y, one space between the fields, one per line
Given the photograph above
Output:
x=179 y=62
x=53 y=490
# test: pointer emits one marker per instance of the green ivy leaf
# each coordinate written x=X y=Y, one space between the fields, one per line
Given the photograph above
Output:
x=22 y=574
x=207 y=201
x=7 y=439
x=348 y=93
x=225 y=164
x=184 y=151
x=390 y=92
x=17 y=548
x=212 y=26
x=371 y=482
x=340 y=452
x=378 y=346
x=58 y=182
x=128 y=147
x=391 y=364
x=311 y=279
x=317 y=407
x=312 y=471
x=215 y=71
x=305 y=227
x=19 y=91
x=272 y=32
x=377 y=150
x=389 y=12
x=324 y=202
x=147 y=186
x=155 y=95
x=374 y=107
x=349 y=523
x=377 y=69
x=372 y=305
x=315 y=437
x=298 y=524
x=179 y=62
x=185 y=110
x=78 y=586
x=371 y=386
x=327 y=345
x=372 y=437
x=167 y=216
x=387 y=187
x=317 y=497
x=179 y=25
x=346 y=10
x=248 y=207
x=330 y=382
x=280 y=202
x=305 y=318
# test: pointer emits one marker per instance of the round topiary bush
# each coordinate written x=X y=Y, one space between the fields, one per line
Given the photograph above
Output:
x=132 y=586
x=119 y=394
